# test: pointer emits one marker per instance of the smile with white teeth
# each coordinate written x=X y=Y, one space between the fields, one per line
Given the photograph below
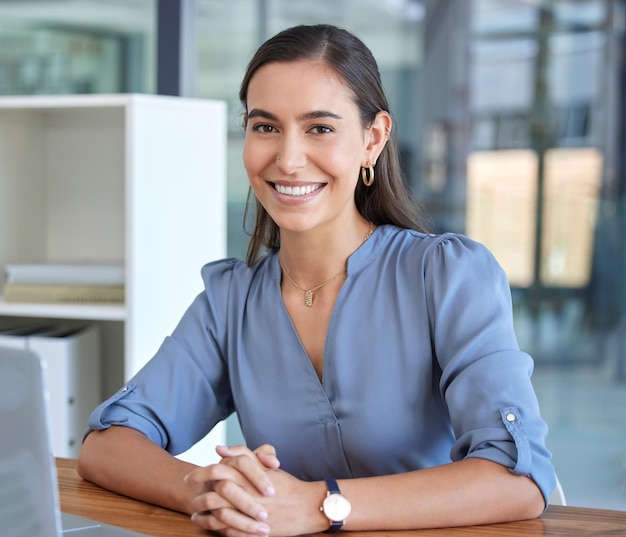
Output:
x=296 y=190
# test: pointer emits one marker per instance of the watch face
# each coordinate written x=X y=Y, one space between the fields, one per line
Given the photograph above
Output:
x=336 y=507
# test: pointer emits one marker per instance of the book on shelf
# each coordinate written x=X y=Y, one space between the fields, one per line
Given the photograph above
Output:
x=62 y=293
x=110 y=274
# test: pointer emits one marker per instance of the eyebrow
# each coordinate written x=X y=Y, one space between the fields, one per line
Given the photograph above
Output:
x=316 y=114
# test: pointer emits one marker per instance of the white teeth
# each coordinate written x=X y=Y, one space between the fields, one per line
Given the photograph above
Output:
x=296 y=190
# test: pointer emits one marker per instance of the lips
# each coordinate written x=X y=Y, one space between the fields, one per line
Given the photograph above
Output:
x=296 y=191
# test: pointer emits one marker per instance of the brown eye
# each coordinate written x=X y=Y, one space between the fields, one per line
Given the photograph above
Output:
x=264 y=128
x=321 y=129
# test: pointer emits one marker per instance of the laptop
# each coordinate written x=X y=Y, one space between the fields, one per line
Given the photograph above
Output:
x=29 y=500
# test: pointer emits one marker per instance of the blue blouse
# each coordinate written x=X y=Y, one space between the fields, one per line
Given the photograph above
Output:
x=421 y=367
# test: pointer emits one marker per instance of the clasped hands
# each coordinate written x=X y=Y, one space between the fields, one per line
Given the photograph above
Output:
x=246 y=494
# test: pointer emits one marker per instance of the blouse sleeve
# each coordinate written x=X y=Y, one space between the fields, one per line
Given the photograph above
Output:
x=486 y=378
x=183 y=391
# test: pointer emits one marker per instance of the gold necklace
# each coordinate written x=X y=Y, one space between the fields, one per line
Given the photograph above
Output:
x=308 y=293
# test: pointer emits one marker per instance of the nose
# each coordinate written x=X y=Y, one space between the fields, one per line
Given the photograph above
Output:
x=291 y=154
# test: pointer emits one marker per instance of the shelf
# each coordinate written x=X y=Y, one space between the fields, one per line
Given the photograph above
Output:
x=91 y=312
x=132 y=179
x=93 y=101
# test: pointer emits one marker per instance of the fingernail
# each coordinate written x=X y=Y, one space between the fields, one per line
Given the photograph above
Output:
x=269 y=490
x=264 y=529
x=262 y=515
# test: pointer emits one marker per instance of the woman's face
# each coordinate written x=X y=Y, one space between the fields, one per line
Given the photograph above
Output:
x=304 y=145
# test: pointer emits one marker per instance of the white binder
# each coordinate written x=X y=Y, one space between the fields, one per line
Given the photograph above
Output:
x=71 y=354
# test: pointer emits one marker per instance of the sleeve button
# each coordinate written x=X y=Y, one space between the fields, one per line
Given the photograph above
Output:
x=510 y=417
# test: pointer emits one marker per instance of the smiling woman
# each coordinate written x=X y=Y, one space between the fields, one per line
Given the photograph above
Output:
x=334 y=92
x=395 y=388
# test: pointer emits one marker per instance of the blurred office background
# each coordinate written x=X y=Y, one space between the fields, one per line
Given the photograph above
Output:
x=511 y=119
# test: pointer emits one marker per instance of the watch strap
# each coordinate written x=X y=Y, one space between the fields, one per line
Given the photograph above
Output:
x=333 y=487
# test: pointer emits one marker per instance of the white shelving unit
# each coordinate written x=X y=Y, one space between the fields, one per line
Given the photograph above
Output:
x=108 y=178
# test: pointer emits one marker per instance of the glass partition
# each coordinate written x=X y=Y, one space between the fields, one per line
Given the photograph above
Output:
x=65 y=47
x=544 y=194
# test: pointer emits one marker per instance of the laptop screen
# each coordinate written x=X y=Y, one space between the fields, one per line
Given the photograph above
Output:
x=28 y=488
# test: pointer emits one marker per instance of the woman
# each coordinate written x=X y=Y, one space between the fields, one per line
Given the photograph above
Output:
x=373 y=367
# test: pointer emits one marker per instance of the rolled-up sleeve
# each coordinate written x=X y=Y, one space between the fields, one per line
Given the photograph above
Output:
x=183 y=391
x=486 y=378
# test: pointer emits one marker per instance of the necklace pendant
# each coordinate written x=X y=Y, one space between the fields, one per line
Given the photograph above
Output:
x=308 y=299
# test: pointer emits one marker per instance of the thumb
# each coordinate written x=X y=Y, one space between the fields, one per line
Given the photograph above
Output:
x=267 y=455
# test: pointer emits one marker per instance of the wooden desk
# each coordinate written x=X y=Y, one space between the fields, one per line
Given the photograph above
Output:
x=82 y=498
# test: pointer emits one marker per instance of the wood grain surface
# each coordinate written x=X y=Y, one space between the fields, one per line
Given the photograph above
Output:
x=79 y=497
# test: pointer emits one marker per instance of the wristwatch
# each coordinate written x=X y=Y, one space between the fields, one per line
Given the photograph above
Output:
x=336 y=507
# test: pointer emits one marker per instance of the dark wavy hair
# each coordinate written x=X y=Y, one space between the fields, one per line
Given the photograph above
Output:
x=388 y=200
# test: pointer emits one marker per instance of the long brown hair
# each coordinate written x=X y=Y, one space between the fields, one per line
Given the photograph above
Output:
x=388 y=200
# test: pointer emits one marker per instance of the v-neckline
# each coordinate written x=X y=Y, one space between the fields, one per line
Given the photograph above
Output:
x=356 y=261
x=304 y=353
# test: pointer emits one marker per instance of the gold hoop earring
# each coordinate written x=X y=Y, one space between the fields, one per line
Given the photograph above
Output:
x=367 y=174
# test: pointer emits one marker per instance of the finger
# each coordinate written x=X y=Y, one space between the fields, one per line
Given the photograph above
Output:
x=212 y=501
x=209 y=522
x=241 y=500
x=209 y=501
x=227 y=494
x=205 y=475
x=230 y=522
x=234 y=451
x=248 y=464
x=267 y=455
